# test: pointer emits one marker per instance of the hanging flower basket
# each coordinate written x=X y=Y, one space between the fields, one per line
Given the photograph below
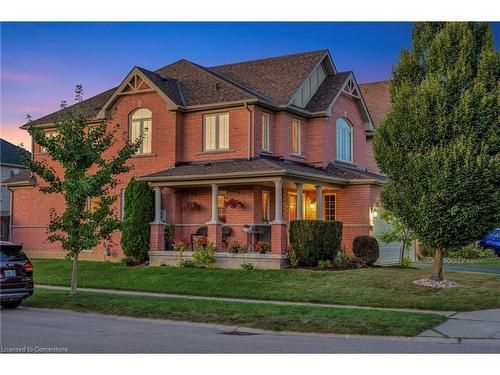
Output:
x=191 y=206
x=233 y=203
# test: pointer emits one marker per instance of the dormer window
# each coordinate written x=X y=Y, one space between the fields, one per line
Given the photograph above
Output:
x=344 y=140
x=141 y=128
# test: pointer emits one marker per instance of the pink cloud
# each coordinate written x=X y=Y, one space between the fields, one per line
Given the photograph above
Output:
x=13 y=75
x=11 y=132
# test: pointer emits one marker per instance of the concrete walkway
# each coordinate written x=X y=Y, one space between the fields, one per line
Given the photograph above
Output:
x=225 y=299
x=483 y=324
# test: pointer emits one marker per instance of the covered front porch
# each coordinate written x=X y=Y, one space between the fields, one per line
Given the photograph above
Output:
x=247 y=210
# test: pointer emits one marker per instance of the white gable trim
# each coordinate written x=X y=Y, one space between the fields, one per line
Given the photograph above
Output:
x=120 y=91
x=351 y=88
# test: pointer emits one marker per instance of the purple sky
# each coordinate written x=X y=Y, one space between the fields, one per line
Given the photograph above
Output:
x=42 y=62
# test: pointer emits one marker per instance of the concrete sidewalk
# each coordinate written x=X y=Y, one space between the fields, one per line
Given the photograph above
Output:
x=483 y=324
x=242 y=300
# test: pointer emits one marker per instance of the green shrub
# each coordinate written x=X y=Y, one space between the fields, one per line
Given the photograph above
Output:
x=366 y=249
x=235 y=247
x=187 y=263
x=406 y=262
x=324 y=264
x=293 y=257
x=342 y=261
x=247 y=266
x=128 y=261
x=138 y=213
x=313 y=240
x=204 y=253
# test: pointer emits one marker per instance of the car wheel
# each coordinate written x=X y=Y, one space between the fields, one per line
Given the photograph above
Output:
x=10 y=304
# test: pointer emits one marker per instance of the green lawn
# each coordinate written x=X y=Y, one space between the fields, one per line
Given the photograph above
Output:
x=377 y=287
x=263 y=316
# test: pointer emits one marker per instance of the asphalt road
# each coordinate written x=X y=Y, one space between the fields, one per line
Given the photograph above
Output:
x=43 y=330
x=462 y=267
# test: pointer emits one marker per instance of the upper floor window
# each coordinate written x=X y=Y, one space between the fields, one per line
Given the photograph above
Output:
x=141 y=128
x=265 y=132
x=216 y=132
x=344 y=140
x=296 y=136
x=48 y=134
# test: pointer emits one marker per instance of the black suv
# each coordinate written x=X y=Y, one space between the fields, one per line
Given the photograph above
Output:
x=16 y=275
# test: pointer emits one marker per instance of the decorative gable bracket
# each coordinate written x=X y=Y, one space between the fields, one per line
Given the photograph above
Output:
x=136 y=82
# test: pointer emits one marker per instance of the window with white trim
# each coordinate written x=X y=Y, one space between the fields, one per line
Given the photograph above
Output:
x=296 y=136
x=344 y=140
x=216 y=132
x=141 y=128
x=329 y=206
x=265 y=132
x=48 y=134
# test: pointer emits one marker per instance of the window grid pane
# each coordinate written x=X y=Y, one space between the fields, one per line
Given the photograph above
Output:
x=329 y=207
x=296 y=137
x=224 y=131
x=265 y=132
x=210 y=132
x=344 y=140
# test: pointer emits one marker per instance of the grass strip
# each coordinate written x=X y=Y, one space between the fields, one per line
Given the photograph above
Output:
x=262 y=316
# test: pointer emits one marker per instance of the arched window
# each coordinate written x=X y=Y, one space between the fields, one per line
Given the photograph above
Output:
x=141 y=127
x=344 y=140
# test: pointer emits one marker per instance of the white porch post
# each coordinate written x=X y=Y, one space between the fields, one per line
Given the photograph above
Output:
x=319 y=202
x=278 y=201
x=157 y=191
x=215 y=206
x=300 y=200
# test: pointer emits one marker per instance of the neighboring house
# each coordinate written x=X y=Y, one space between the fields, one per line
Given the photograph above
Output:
x=377 y=97
x=11 y=164
x=288 y=137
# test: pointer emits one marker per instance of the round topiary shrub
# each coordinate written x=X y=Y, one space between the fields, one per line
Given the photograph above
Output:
x=366 y=249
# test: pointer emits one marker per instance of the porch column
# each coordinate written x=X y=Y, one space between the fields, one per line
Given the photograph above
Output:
x=278 y=226
x=214 y=228
x=319 y=202
x=300 y=200
x=215 y=206
x=157 y=227
x=157 y=191
x=278 y=201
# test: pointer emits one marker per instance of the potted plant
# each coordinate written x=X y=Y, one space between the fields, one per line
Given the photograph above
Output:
x=247 y=228
x=263 y=247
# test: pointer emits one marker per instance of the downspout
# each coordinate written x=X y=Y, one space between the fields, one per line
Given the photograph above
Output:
x=249 y=131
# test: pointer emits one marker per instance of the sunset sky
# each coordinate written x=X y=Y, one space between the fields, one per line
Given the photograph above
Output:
x=42 y=62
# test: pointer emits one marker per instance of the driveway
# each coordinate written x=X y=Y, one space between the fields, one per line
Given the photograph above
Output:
x=462 y=267
x=44 y=330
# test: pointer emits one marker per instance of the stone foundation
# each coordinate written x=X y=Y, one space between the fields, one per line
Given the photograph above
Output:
x=223 y=260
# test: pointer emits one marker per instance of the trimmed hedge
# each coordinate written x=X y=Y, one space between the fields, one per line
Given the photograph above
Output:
x=138 y=213
x=366 y=249
x=315 y=240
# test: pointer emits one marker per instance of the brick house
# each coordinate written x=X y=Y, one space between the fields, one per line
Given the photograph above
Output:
x=280 y=138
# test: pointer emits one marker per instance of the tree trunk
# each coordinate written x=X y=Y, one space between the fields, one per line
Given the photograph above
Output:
x=74 y=275
x=437 y=267
x=402 y=253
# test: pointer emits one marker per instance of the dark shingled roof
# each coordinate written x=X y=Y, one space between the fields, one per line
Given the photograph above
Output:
x=262 y=164
x=272 y=81
x=12 y=154
x=276 y=78
x=23 y=177
x=327 y=92
x=377 y=97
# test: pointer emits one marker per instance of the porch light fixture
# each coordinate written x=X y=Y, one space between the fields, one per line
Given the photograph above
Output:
x=313 y=203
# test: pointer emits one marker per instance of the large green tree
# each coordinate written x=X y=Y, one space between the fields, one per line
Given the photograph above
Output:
x=439 y=144
x=86 y=173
